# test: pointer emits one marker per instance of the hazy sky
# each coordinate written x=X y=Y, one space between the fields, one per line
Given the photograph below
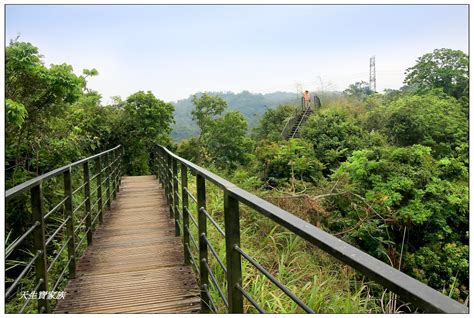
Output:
x=177 y=50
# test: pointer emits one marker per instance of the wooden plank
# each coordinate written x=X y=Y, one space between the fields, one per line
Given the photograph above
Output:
x=135 y=263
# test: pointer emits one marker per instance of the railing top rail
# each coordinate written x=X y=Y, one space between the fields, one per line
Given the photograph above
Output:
x=405 y=286
x=12 y=192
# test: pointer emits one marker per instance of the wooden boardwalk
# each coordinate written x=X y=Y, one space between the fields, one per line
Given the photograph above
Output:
x=135 y=263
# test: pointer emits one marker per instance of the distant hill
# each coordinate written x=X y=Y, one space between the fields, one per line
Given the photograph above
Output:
x=252 y=106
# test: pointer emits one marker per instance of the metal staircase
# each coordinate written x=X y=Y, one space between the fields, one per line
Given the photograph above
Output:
x=292 y=129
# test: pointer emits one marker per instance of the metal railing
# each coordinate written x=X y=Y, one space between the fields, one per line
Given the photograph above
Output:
x=166 y=168
x=107 y=168
x=290 y=123
x=303 y=118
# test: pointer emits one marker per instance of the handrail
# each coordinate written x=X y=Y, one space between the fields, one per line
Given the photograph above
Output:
x=302 y=119
x=111 y=175
x=289 y=123
x=12 y=192
x=408 y=288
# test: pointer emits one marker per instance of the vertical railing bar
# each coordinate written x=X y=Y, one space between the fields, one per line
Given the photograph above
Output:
x=175 y=197
x=116 y=172
x=41 y=263
x=122 y=165
x=202 y=227
x=168 y=186
x=87 y=204
x=107 y=184
x=184 y=205
x=166 y=162
x=99 y=188
x=113 y=176
x=232 y=238
x=159 y=169
x=70 y=224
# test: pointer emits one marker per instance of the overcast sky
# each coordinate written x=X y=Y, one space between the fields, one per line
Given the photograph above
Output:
x=175 y=51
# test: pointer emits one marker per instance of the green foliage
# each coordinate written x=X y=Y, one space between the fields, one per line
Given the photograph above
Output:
x=37 y=98
x=223 y=140
x=288 y=160
x=410 y=189
x=392 y=167
x=273 y=122
x=431 y=119
x=360 y=90
x=189 y=149
x=227 y=142
x=52 y=119
x=206 y=108
x=400 y=172
x=16 y=113
x=294 y=262
x=443 y=68
x=91 y=72
x=334 y=135
x=251 y=105
x=145 y=122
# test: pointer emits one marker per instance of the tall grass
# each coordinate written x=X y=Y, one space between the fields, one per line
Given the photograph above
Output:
x=320 y=281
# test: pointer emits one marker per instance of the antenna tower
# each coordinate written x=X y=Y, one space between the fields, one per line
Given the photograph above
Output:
x=372 y=81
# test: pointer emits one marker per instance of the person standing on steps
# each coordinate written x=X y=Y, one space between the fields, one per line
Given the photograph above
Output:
x=306 y=99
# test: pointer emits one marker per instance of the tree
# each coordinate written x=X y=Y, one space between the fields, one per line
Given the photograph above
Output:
x=89 y=73
x=206 y=108
x=410 y=199
x=145 y=122
x=334 y=135
x=432 y=120
x=227 y=142
x=273 y=122
x=288 y=161
x=36 y=98
x=443 y=68
x=189 y=149
x=360 y=90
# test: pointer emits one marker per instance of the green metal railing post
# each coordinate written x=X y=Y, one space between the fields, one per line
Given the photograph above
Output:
x=113 y=174
x=202 y=226
x=176 y=198
x=185 y=203
x=87 y=204
x=166 y=161
x=71 y=248
x=158 y=165
x=107 y=178
x=119 y=174
x=122 y=165
x=164 y=173
x=154 y=164
x=232 y=239
x=41 y=264
x=168 y=186
x=98 y=168
x=161 y=165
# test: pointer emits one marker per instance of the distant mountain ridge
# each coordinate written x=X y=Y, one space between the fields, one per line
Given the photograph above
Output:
x=251 y=105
